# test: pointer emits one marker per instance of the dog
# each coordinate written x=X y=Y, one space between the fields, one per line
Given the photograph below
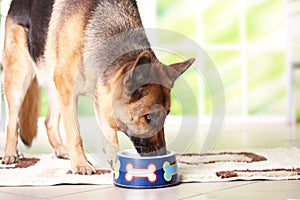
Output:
x=95 y=48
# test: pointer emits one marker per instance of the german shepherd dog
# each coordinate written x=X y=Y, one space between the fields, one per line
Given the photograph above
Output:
x=96 y=48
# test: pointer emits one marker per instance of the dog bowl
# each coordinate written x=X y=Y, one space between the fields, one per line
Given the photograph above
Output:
x=134 y=171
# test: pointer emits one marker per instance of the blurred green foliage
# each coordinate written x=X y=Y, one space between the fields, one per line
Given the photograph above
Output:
x=221 y=22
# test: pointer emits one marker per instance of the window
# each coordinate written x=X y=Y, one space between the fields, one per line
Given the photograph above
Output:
x=247 y=41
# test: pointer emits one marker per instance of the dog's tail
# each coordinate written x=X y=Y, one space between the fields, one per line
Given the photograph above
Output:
x=29 y=113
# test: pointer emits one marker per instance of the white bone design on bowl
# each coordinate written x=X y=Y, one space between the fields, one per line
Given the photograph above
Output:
x=148 y=172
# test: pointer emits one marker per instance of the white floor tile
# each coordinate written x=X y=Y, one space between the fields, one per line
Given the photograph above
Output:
x=12 y=196
x=51 y=191
x=260 y=190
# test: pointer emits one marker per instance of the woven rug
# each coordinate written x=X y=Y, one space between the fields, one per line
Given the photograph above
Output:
x=264 y=164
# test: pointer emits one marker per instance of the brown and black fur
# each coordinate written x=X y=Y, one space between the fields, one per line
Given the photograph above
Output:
x=96 y=48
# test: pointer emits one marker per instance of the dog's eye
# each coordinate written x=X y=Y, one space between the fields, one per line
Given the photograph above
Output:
x=148 y=118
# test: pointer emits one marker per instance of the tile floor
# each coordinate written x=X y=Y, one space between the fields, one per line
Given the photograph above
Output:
x=231 y=190
x=233 y=137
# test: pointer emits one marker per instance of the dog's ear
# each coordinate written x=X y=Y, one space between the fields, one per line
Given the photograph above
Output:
x=139 y=73
x=175 y=70
x=182 y=66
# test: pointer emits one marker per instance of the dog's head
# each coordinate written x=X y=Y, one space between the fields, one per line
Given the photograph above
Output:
x=144 y=101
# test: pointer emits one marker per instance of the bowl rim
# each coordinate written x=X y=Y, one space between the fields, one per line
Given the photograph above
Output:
x=132 y=154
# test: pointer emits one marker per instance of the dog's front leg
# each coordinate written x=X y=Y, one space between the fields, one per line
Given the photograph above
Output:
x=111 y=145
x=73 y=139
x=52 y=123
x=68 y=105
x=106 y=123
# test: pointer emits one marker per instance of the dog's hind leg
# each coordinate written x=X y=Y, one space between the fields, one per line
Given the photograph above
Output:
x=18 y=76
x=52 y=123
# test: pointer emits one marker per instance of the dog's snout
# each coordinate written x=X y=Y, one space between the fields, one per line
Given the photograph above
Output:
x=159 y=152
x=151 y=146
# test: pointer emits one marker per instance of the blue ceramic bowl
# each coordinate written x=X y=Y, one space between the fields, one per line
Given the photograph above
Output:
x=134 y=171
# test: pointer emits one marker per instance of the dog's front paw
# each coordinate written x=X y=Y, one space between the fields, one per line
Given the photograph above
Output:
x=111 y=154
x=84 y=169
x=11 y=155
x=61 y=152
x=10 y=159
